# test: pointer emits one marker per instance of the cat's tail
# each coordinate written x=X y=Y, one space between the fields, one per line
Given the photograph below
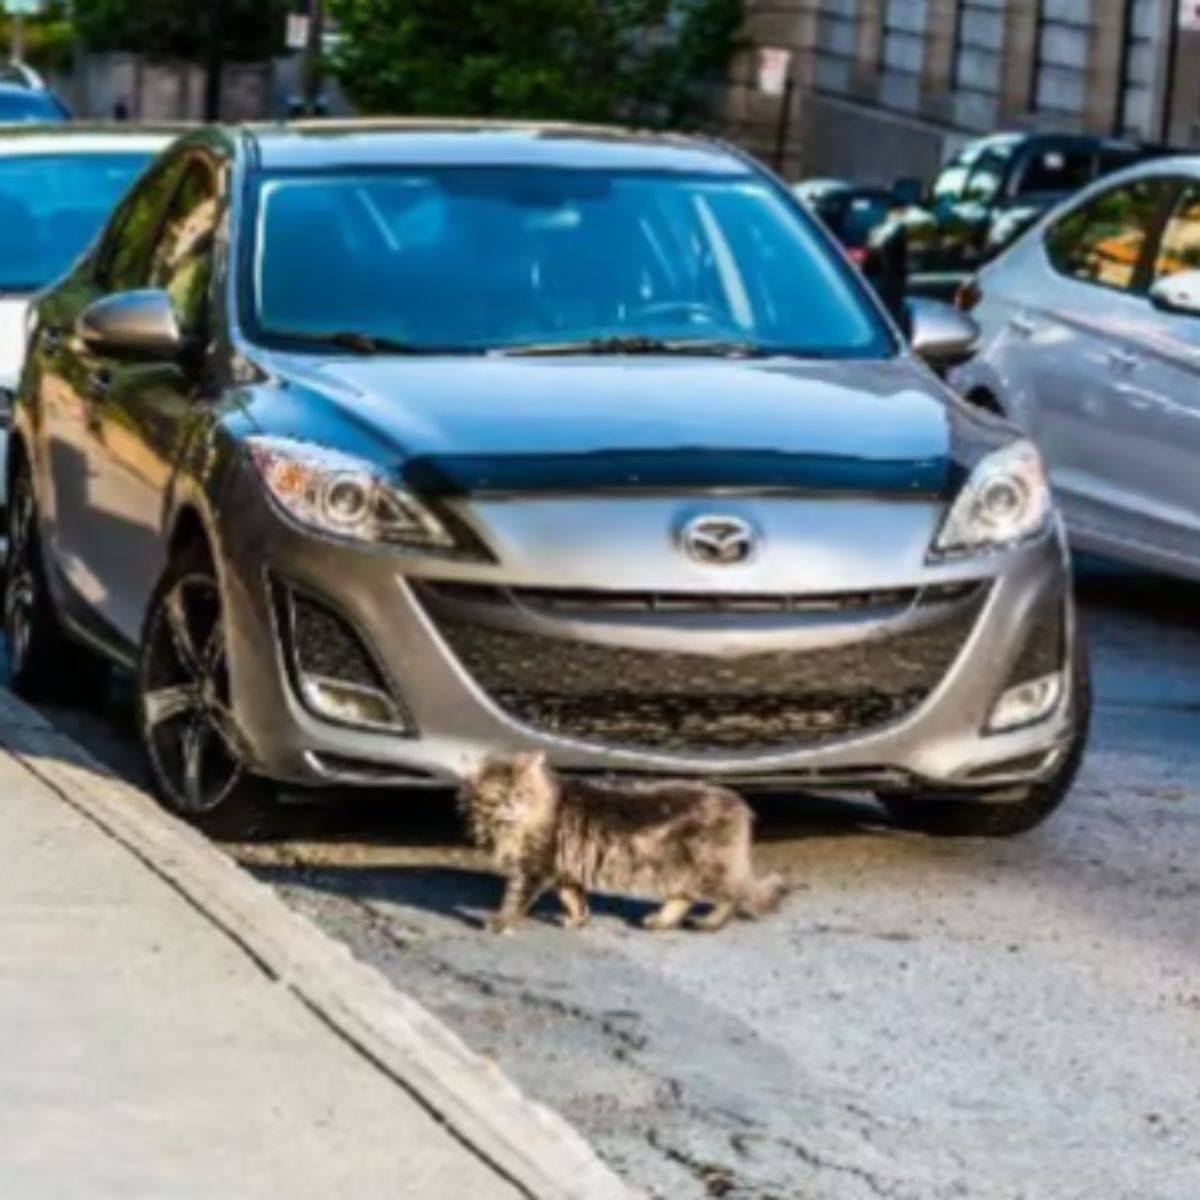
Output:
x=765 y=895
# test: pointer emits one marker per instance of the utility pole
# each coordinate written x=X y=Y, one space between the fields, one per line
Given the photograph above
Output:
x=313 y=55
x=214 y=59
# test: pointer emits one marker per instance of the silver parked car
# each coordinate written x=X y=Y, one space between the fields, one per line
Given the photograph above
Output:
x=375 y=450
x=1091 y=343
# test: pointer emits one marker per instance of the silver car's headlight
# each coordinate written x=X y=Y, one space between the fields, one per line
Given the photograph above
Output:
x=1005 y=501
x=344 y=496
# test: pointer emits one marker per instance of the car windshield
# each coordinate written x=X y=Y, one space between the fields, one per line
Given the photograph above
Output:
x=472 y=259
x=25 y=106
x=52 y=206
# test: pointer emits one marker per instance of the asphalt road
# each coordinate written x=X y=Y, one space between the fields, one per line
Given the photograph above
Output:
x=924 y=1019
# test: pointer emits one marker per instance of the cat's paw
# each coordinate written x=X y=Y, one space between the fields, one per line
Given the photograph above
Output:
x=501 y=926
x=575 y=922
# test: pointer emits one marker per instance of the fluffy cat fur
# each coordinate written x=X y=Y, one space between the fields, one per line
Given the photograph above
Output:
x=685 y=842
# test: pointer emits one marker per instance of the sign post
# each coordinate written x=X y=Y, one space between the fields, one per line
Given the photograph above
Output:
x=775 y=79
x=19 y=10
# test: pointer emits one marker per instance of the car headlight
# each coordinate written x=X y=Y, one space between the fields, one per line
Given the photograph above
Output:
x=1006 y=500
x=344 y=496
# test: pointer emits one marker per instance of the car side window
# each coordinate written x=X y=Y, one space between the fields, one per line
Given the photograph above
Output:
x=1054 y=170
x=986 y=179
x=181 y=259
x=1179 y=246
x=126 y=247
x=1102 y=242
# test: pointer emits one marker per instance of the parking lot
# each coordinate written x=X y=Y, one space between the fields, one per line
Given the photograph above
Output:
x=924 y=1019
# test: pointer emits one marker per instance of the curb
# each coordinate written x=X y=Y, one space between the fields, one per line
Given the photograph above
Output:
x=524 y=1142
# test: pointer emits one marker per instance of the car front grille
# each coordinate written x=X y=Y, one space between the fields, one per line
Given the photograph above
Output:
x=685 y=702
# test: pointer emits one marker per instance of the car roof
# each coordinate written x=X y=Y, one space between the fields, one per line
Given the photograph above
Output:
x=322 y=145
x=77 y=137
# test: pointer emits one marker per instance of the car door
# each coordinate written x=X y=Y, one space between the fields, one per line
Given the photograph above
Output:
x=1074 y=343
x=1159 y=398
x=62 y=370
x=144 y=409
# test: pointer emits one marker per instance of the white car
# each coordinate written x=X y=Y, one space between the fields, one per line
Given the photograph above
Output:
x=1091 y=343
x=58 y=187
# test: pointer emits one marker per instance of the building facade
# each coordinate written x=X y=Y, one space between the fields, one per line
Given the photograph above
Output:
x=888 y=88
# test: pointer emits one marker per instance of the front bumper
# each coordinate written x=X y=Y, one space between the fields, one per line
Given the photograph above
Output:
x=480 y=676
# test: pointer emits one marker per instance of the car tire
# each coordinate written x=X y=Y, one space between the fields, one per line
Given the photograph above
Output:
x=45 y=665
x=970 y=816
x=197 y=756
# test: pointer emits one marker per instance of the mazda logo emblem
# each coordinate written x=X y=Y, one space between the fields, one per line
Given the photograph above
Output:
x=719 y=541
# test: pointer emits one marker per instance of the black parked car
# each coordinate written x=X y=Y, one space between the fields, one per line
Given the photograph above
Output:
x=993 y=190
x=869 y=223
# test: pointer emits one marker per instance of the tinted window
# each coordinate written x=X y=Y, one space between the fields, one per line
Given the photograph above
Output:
x=51 y=207
x=181 y=261
x=1102 y=242
x=22 y=107
x=126 y=253
x=1056 y=171
x=1179 y=247
x=986 y=179
x=480 y=257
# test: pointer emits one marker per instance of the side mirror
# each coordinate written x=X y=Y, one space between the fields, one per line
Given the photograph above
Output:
x=907 y=193
x=941 y=335
x=132 y=325
x=1178 y=294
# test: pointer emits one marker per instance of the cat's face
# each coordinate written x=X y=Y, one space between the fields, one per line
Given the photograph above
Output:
x=508 y=797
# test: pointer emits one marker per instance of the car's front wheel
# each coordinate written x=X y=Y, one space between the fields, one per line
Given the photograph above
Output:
x=185 y=717
x=1011 y=813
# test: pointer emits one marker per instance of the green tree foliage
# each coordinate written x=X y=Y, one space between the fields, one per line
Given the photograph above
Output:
x=642 y=61
x=249 y=30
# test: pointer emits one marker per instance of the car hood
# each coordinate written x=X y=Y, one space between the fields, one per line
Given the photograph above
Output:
x=515 y=424
x=13 y=313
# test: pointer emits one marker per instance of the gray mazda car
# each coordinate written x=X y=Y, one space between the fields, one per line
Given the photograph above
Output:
x=374 y=450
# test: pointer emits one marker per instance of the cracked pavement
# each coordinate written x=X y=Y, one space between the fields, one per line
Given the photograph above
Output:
x=924 y=1019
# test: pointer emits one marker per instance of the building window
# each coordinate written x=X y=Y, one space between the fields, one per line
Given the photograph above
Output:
x=904 y=23
x=1063 y=36
x=979 y=46
x=837 y=44
x=1143 y=21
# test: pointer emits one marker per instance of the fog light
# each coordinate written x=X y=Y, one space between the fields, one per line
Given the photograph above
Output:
x=350 y=704
x=1027 y=703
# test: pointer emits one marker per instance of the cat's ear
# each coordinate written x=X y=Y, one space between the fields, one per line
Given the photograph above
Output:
x=531 y=763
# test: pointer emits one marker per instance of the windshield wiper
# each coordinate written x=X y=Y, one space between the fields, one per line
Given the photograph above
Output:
x=636 y=345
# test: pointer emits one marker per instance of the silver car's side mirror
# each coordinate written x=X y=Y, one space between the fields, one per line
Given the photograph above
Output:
x=941 y=335
x=1178 y=293
x=132 y=324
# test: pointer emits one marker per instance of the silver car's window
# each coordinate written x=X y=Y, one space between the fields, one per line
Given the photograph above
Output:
x=51 y=206
x=1102 y=241
x=488 y=257
x=1179 y=246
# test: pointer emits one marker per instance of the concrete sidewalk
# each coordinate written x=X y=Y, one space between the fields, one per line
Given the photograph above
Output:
x=154 y=1045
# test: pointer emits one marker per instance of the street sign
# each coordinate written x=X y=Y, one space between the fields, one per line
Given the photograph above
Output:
x=22 y=8
x=774 y=67
x=297 y=31
x=1189 y=15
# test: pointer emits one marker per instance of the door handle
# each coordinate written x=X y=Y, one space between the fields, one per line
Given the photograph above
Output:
x=1022 y=325
x=1122 y=360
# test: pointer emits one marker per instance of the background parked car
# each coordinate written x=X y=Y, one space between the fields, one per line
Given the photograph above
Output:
x=1091 y=342
x=24 y=96
x=869 y=224
x=58 y=185
x=996 y=188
